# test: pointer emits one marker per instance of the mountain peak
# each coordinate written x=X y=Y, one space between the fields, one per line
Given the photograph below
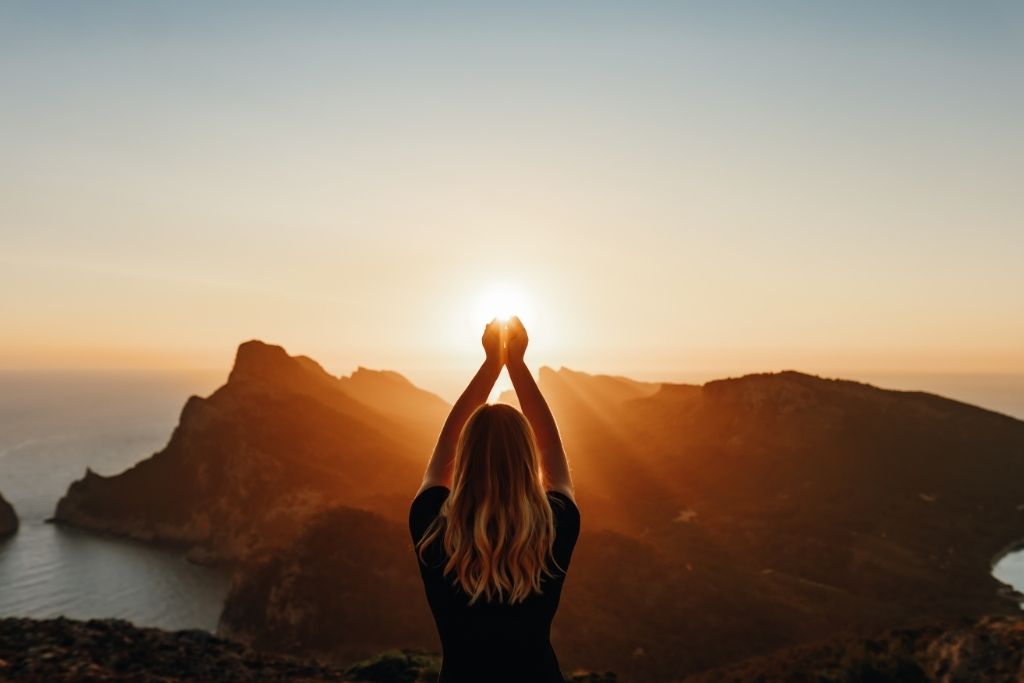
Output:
x=254 y=357
x=259 y=360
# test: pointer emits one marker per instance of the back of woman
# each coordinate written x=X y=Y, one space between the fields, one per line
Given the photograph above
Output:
x=494 y=526
x=494 y=641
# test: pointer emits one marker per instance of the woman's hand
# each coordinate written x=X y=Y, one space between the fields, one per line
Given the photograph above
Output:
x=439 y=469
x=492 y=342
x=517 y=340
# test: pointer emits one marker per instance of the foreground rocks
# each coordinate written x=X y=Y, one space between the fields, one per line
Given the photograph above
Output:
x=989 y=650
x=347 y=589
x=8 y=519
x=108 y=650
x=114 y=650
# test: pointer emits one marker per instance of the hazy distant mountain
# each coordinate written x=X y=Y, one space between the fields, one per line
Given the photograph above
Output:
x=600 y=390
x=280 y=442
x=8 y=519
x=720 y=521
x=392 y=395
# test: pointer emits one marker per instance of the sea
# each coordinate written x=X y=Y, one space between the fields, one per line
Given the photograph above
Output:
x=53 y=425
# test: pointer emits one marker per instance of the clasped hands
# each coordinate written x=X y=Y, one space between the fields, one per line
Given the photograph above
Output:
x=505 y=342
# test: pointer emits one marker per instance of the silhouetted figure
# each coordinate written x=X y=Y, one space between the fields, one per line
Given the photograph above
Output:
x=495 y=524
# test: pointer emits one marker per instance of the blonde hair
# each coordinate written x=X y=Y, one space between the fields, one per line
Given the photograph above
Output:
x=496 y=526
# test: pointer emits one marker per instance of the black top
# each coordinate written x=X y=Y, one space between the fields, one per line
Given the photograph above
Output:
x=494 y=642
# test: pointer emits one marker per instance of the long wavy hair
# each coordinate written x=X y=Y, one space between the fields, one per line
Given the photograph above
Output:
x=496 y=526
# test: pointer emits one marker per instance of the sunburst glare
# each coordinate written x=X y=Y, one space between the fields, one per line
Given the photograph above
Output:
x=502 y=300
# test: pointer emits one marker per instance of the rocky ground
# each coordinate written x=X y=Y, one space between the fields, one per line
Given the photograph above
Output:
x=989 y=650
x=107 y=650
x=113 y=650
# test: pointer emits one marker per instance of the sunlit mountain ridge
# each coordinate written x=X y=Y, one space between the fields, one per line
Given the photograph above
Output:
x=720 y=521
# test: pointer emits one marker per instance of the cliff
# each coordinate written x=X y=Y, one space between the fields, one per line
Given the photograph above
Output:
x=375 y=600
x=246 y=467
x=8 y=519
x=113 y=650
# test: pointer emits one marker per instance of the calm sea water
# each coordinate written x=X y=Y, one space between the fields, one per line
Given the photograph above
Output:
x=1011 y=570
x=52 y=426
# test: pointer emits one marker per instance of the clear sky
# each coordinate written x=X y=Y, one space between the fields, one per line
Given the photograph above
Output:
x=670 y=187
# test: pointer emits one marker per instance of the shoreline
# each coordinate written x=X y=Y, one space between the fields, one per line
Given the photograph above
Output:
x=1007 y=590
x=1008 y=549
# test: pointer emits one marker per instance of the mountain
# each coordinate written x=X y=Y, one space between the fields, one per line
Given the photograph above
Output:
x=246 y=467
x=720 y=522
x=8 y=519
x=726 y=521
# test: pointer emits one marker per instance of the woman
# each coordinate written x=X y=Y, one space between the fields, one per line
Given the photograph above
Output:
x=494 y=525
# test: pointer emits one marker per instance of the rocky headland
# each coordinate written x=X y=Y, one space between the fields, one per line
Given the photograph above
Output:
x=280 y=442
x=720 y=522
x=8 y=519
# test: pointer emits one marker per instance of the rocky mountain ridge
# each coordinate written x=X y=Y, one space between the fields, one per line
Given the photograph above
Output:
x=721 y=521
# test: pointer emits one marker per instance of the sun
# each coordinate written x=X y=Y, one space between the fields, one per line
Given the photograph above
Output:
x=502 y=300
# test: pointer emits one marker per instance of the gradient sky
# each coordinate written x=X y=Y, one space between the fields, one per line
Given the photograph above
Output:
x=673 y=187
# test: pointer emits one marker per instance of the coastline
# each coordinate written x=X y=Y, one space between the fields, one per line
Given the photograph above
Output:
x=1008 y=549
x=1007 y=590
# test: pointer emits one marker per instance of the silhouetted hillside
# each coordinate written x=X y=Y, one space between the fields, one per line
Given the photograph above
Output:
x=395 y=397
x=721 y=521
x=8 y=519
x=374 y=602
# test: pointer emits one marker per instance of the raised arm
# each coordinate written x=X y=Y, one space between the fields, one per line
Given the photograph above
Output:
x=552 y=454
x=439 y=469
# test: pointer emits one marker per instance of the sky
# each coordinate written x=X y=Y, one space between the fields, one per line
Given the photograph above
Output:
x=662 y=189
